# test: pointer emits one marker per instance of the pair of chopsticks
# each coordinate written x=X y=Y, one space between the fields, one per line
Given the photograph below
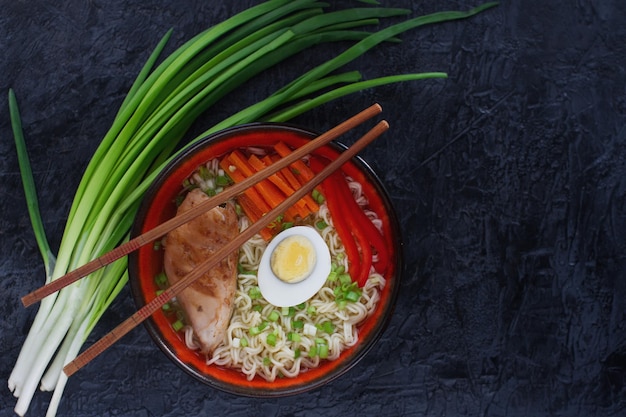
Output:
x=171 y=292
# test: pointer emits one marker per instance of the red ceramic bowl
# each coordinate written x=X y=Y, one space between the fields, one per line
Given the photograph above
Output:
x=146 y=263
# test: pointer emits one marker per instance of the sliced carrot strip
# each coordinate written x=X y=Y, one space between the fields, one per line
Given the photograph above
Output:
x=253 y=214
x=340 y=222
x=251 y=201
x=279 y=181
x=293 y=181
x=270 y=193
x=299 y=168
x=252 y=193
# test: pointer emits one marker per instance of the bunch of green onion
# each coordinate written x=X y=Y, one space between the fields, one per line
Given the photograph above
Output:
x=158 y=110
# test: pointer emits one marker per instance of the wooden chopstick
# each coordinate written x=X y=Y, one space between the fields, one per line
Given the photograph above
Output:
x=176 y=221
x=147 y=310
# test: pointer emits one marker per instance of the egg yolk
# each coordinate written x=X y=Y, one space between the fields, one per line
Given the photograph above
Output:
x=293 y=259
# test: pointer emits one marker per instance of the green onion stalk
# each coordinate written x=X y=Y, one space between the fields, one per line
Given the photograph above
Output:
x=161 y=105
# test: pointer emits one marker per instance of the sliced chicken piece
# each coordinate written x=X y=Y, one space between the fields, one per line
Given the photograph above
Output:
x=208 y=302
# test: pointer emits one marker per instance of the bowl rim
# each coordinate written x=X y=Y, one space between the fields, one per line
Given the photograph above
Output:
x=365 y=345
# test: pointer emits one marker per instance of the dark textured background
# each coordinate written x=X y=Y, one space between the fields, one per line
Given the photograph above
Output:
x=508 y=179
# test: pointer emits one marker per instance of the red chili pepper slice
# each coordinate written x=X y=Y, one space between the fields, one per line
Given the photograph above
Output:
x=339 y=221
x=355 y=222
x=366 y=252
x=354 y=227
x=358 y=220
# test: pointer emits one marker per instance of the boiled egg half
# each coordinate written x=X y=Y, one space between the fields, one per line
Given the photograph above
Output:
x=294 y=266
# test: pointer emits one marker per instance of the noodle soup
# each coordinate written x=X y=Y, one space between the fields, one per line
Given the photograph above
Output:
x=270 y=350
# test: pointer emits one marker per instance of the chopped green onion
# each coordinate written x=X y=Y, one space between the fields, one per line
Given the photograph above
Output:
x=271 y=339
x=288 y=311
x=345 y=279
x=287 y=225
x=317 y=196
x=204 y=172
x=353 y=296
x=266 y=361
x=293 y=337
x=274 y=316
x=319 y=348
x=243 y=342
x=321 y=224
x=296 y=353
x=222 y=181
x=161 y=280
x=255 y=293
x=326 y=327
x=323 y=351
x=347 y=292
x=256 y=330
x=311 y=310
x=178 y=325
x=309 y=329
x=297 y=324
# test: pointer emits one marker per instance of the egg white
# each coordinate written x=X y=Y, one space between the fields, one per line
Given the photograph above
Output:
x=285 y=294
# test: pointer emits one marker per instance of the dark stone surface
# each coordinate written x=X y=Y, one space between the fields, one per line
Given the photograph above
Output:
x=508 y=178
